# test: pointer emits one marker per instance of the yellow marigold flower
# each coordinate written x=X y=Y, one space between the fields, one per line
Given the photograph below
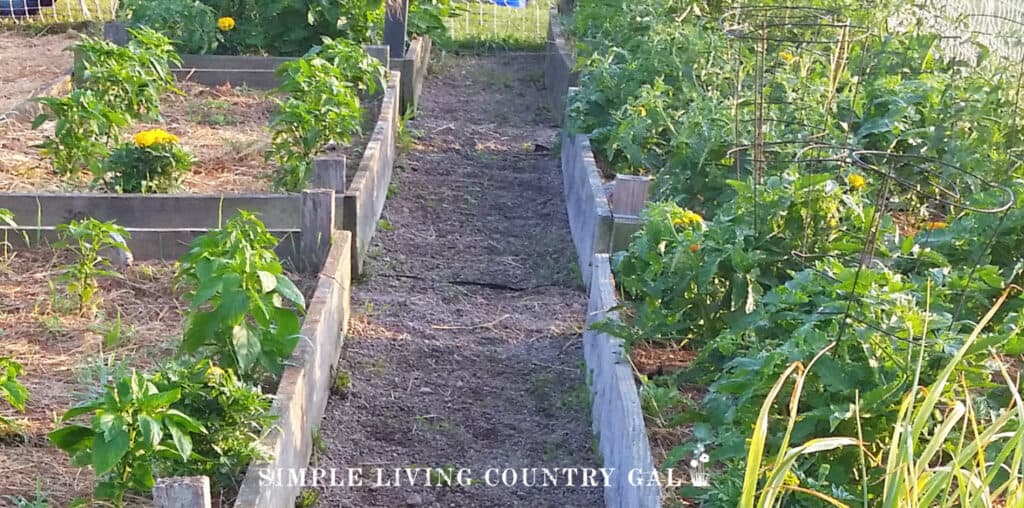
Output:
x=225 y=24
x=146 y=139
x=687 y=218
x=931 y=226
x=786 y=56
x=856 y=181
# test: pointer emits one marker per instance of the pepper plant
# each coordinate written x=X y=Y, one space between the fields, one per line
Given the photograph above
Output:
x=11 y=389
x=243 y=310
x=132 y=423
x=86 y=240
x=322 y=106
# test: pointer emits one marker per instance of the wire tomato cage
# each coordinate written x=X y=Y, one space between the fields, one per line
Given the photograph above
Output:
x=810 y=105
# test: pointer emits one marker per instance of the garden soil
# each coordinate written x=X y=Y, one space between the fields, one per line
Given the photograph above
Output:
x=30 y=62
x=465 y=344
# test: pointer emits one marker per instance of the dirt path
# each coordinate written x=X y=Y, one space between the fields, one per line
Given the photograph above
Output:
x=465 y=346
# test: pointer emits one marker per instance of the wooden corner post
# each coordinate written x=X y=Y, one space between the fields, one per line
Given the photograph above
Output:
x=317 y=228
x=396 y=24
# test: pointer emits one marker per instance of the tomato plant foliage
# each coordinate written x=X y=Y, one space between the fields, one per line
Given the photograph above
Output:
x=811 y=248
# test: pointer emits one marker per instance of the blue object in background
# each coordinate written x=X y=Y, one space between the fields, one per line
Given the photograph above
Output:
x=23 y=7
x=511 y=3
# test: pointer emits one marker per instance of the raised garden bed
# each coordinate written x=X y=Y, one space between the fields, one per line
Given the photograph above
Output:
x=66 y=360
x=162 y=225
x=595 y=225
x=21 y=78
x=258 y=71
x=618 y=420
x=559 y=67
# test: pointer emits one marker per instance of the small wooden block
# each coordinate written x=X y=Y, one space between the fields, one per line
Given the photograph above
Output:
x=182 y=492
x=328 y=173
x=629 y=196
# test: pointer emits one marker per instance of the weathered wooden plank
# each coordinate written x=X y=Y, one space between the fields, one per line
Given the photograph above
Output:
x=328 y=173
x=317 y=227
x=630 y=193
x=149 y=243
x=252 y=63
x=164 y=211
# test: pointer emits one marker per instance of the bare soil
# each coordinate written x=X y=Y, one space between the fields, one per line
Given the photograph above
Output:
x=30 y=62
x=465 y=351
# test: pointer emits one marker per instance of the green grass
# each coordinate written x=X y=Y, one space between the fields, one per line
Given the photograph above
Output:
x=485 y=27
x=63 y=14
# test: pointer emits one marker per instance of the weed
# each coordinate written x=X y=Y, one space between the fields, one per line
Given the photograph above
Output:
x=342 y=384
x=40 y=499
x=211 y=112
x=319 y=446
x=385 y=225
x=308 y=498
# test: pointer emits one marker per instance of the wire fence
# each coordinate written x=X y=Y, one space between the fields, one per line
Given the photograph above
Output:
x=15 y=13
x=501 y=25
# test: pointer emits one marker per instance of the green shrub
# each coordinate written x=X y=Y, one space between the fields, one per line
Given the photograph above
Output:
x=190 y=24
x=274 y=27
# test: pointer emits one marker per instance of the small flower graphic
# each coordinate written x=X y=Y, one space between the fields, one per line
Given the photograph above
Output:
x=856 y=181
x=226 y=23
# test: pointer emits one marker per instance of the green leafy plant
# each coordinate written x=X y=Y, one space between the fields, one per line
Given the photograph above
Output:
x=243 y=310
x=944 y=450
x=86 y=126
x=235 y=415
x=131 y=425
x=154 y=163
x=86 y=240
x=191 y=24
x=322 y=106
x=11 y=389
x=427 y=17
x=130 y=79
